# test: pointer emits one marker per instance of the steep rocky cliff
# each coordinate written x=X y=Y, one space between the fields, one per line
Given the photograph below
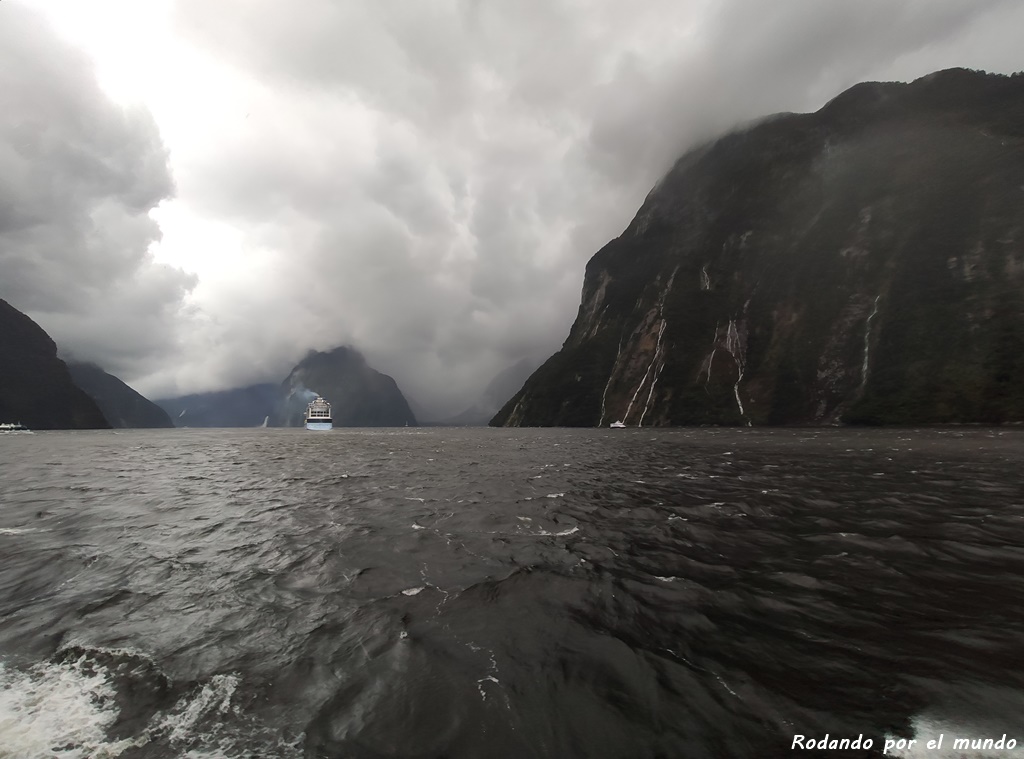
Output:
x=861 y=264
x=360 y=396
x=121 y=405
x=35 y=386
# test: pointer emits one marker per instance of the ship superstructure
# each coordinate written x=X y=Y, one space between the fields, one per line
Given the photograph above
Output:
x=318 y=415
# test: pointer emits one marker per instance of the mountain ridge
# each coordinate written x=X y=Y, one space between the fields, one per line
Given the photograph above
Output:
x=122 y=406
x=36 y=388
x=359 y=396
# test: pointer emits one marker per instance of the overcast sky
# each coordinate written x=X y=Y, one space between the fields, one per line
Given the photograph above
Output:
x=193 y=193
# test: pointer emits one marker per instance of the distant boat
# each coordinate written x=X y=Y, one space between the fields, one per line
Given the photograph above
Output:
x=11 y=427
x=617 y=425
x=318 y=415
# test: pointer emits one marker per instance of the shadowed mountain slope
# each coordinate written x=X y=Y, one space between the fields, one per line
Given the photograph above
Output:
x=35 y=386
x=121 y=405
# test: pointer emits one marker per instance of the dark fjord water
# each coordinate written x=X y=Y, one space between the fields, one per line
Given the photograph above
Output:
x=507 y=593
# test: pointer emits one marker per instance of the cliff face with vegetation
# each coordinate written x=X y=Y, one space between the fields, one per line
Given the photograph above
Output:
x=862 y=264
x=35 y=386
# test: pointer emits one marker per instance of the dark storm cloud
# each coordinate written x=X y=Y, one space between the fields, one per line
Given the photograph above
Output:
x=78 y=176
x=752 y=60
x=508 y=141
x=424 y=180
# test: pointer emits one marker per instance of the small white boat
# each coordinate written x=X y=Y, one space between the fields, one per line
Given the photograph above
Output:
x=617 y=425
x=7 y=428
x=318 y=415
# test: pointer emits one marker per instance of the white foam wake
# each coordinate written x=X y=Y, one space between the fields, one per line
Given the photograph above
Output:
x=57 y=710
x=65 y=710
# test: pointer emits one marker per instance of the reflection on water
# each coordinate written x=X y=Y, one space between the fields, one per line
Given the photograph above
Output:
x=508 y=593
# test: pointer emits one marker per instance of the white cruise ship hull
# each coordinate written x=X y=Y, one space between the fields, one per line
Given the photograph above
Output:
x=319 y=425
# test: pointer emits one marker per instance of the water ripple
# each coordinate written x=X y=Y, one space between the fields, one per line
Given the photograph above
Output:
x=506 y=593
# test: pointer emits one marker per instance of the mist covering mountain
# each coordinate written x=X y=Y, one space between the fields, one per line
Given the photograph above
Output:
x=861 y=264
x=359 y=395
x=36 y=388
x=504 y=385
x=121 y=405
x=240 y=407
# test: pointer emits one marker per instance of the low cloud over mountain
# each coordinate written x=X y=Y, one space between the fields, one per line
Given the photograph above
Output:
x=423 y=181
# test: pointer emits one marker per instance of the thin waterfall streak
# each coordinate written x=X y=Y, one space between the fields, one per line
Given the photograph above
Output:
x=651 y=393
x=644 y=380
x=661 y=309
x=734 y=345
x=867 y=343
x=604 y=395
x=711 y=358
x=736 y=392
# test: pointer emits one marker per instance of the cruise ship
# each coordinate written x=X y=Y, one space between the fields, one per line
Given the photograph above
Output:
x=318 y=415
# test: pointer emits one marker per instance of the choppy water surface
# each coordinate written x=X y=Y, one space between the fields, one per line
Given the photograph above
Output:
x=507 y=593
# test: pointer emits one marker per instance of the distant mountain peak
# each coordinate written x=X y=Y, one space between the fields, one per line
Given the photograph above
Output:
x=359 y=396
